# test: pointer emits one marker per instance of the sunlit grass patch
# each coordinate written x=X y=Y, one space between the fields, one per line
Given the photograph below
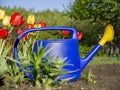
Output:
x=105 y=60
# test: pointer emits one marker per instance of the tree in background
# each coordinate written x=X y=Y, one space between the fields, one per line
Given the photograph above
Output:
x=98 y=10
x=104 y=11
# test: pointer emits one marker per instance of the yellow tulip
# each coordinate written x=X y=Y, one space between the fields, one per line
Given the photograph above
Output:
x=35 y=25
x=6 y=21
x=2 y=14
x=31 y=19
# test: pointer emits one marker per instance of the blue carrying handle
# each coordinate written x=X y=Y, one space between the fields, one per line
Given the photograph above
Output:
x=73 y=30
x=15 y=51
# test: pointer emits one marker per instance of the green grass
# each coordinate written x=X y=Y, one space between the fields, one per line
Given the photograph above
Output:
x=104 y=60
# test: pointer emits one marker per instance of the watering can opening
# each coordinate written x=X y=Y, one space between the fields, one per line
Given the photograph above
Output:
x=53 y=35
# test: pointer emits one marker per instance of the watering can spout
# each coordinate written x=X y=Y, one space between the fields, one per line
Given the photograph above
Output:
x=107 y=37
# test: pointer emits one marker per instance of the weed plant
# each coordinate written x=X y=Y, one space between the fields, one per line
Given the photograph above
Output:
x=89 y=77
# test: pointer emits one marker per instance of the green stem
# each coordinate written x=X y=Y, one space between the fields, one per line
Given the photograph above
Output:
x=2 y=46
x=11 y=29
x=0 y=23
x=64 y=37
x=13 y=60
x=37 y=76
x=0 y=42
x=34 y=40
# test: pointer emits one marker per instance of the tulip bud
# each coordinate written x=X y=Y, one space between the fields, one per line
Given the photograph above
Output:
x=19 y=31
x=35 y=25
x=25 y=37
x=6 y=21
x=65 y=32
x=29 y=26
x=42 y=24
x=3 y=33
x=2 y=14
x=79 y=34
x=30 y=19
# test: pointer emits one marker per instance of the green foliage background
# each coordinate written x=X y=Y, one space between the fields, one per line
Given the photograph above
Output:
x=99 y=11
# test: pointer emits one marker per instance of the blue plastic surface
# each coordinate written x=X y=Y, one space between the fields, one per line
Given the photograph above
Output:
x=62 y=48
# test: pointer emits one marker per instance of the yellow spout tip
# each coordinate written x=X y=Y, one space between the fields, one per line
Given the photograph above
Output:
x=108 y=35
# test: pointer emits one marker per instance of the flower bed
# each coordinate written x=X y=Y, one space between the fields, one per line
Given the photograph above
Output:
x=13 y=71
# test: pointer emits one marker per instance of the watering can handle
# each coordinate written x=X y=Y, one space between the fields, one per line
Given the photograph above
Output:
x=73 y=30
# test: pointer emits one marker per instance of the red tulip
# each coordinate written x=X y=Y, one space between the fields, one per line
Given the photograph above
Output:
x=79 y=34
x=3 y=33
x=25 y=37
x=16 y=20
x=65 y=32
x=42 y=24
x=29 y=26
x=19 y=31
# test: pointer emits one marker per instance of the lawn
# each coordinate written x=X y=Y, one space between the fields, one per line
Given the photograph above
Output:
x=104 y=60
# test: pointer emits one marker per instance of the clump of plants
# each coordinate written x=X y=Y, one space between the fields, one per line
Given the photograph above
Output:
x=13 y=76
x=44 y=70
x=9 y=72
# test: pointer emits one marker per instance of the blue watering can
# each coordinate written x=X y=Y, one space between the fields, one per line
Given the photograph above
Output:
x=67 y=48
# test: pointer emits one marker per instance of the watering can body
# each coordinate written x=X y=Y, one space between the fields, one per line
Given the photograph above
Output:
x=64 y=48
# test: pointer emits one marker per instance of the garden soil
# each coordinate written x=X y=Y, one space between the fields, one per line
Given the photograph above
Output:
x=107 y=77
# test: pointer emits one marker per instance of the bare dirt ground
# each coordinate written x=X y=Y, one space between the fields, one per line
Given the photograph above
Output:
x=107 y=77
